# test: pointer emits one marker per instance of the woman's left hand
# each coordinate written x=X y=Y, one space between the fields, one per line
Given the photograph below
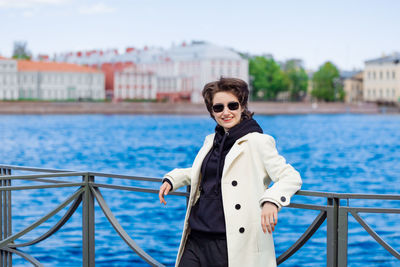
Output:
x=269 y=217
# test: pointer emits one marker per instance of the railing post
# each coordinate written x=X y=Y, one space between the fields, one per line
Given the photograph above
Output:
x=342 y=236
x=88 y=247
x=331 y=231
x=5 y=217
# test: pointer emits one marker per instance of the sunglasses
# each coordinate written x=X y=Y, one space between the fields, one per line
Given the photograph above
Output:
x=220 y=107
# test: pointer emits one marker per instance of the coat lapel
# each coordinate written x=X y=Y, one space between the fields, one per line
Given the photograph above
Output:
x=235 y=151
x=199 y=159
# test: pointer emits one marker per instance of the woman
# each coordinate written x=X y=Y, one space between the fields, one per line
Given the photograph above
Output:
x=231 y=211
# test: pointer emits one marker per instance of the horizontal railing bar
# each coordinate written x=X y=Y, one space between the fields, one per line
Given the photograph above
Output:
x=100 y=174
x=14 y=188
x=371 y=210
x=137 y=189
x=51 y=181
x=347 y=196
x=307 y=206
x=150 y=179
x=33 y=169
x=368 y=196
x=35 y=176
x=314 y=193
x=126 y=177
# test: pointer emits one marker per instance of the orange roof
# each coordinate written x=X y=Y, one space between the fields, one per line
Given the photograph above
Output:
x=26 y=65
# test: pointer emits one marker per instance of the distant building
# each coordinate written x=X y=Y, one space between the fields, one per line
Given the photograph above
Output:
x=178 y=73
x=190 y=67
x=59 y=81
x=382 y=79
x=110 y=70
x=132 y=84
x=8 y=79
x=353 y=87
x=24 y=79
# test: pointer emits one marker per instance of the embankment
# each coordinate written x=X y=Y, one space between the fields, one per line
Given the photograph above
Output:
x=268 y=108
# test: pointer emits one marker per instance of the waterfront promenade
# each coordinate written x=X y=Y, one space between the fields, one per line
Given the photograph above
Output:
x=263 y=108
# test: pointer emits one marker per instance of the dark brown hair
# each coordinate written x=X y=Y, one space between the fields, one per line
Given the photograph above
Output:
x=235 y=86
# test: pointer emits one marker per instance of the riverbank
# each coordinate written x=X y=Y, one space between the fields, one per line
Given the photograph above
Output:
x=265 y=108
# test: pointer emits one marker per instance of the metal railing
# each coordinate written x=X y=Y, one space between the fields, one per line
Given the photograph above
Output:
x=336 y=214
x=88 y=190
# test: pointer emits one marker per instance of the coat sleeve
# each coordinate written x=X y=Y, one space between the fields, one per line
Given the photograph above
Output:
x=287 y=180
x=178 y=177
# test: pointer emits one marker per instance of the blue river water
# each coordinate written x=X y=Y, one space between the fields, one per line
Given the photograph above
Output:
x=335 y=153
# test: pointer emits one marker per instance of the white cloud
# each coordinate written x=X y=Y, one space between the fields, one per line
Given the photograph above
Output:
x=28 y=14
x=99 y=8
x=28 y=3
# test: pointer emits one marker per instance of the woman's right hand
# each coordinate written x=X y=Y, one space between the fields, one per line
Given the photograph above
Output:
x=164 y=190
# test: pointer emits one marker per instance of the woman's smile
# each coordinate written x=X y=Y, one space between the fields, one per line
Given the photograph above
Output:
x=227 y=118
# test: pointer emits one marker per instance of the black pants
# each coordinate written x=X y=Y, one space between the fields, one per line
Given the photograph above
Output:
x=203 y=249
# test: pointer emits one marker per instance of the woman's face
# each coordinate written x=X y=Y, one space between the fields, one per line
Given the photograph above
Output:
x=228 y=116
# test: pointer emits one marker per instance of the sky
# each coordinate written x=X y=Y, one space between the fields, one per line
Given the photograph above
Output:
x=345 y=32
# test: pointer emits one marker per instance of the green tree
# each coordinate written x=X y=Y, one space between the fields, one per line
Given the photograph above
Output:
x=297 y=79
x=267 y=78
x=326 y=83
x=20 y=51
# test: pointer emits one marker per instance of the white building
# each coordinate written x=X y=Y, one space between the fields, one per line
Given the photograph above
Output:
x=382 y=79
x=131 y=84
x=194 y=65
x=8 y=79
x=180 y=72
x=58 y=81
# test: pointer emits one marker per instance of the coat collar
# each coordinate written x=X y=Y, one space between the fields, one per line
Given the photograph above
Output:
x=235 y=151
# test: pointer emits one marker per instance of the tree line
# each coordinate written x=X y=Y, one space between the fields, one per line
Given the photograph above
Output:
x=289 y=81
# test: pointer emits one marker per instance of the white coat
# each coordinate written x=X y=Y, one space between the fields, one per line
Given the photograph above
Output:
x=250 y=166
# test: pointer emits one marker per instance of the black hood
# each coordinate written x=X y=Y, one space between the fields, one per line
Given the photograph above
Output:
x=236 y=132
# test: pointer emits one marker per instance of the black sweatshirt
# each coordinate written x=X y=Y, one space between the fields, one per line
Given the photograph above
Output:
x=207 y=215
